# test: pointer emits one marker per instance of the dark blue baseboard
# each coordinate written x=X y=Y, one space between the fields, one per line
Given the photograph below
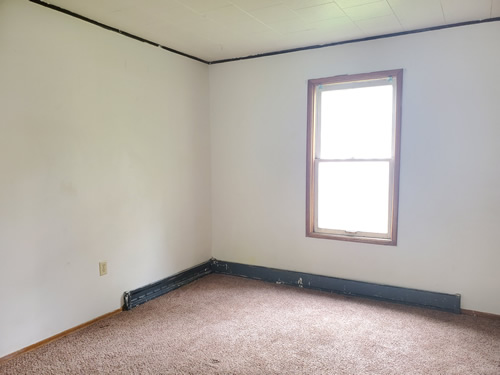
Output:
x=414 y=297
x=147 y=293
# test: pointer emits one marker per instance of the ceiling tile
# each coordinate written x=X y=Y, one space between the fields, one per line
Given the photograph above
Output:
x=465 y=10
x=291 y=25
x=173 y=13
x=141 y=17
x=204 y=27
x=341 y=35
x=255 y=4
x=298 y=40
x=354 y=3
x=300 y=4
x=148 y=4
x=406 y=3
x=418 y=14
x=91 y=7
x=273 y=14
x=202 y=6
x=335 y=24
x=337 y=30
x=236 y=21
x=229 y=15
x=244 y=27
x=319 y=36
x=321 y=12
x=380 y=25
x=367 y=11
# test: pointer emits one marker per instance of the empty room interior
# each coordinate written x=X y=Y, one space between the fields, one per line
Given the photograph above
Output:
x=165 y=157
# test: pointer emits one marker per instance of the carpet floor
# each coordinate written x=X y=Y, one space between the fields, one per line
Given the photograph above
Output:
x=229 y=325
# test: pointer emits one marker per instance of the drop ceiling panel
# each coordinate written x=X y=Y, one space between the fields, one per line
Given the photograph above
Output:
x=414 y=15
x=321 y=12
x=464 y=10
x=380 y=25
x=255 y=4
x=300 y=4
x=221 y=29
x=273 y=13
x=355 y=3
x=291 y=26
x=367 y=11
x=93 y=7
x=203 y=6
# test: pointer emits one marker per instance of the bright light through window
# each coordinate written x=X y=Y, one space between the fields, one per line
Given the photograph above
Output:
x=353 y=197
x=356 y=123
x=353 y=157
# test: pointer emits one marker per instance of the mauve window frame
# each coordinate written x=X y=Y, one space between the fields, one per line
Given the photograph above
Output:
x=311 y=157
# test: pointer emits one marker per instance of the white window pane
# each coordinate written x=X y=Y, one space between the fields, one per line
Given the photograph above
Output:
x=356 y=123
x=353 y=196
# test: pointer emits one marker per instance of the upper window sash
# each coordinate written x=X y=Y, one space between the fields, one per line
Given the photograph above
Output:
x=357 y=126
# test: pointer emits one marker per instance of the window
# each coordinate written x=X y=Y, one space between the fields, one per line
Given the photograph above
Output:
x=353 y=151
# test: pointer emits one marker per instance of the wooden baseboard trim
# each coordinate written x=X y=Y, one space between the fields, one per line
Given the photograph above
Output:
x=36 y=345
x=480 y=314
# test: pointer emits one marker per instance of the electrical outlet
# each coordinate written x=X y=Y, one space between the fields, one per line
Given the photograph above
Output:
x=103 y=268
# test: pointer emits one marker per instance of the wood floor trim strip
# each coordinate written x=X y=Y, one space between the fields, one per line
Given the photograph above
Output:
x=39 y=344
x=480 y=314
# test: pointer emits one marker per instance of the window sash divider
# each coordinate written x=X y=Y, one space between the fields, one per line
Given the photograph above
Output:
x=352 y=160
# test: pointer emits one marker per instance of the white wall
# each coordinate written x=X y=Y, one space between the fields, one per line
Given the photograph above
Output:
x=104 y=155
x=450 y=180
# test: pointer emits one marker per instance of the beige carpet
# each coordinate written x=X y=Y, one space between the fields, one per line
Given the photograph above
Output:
x=229 y=325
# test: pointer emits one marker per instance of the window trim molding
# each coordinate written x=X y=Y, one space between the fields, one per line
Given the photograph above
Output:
x=311 y=140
